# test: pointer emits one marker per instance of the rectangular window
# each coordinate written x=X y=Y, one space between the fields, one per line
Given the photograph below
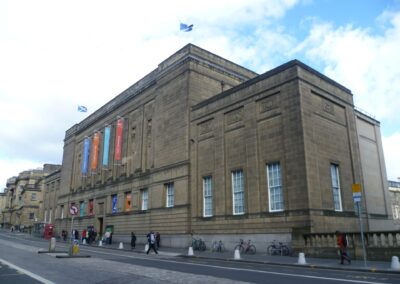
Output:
x=238 y=192
x=207 y=193
x=128 y=200
x=31 y=216
x=91 y=211
x=62 y=211
x=396 y=212
x=82 y=208
x=114 y=200
x=337 y=200
x=145 y=199
x=170 y=194
x=275 y=194
x=33 y=196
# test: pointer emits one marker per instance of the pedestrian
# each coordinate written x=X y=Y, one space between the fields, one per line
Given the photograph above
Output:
x=76 y=235
x=133 y=240
x=158 y=239
x=341 y=241
x=111 y=238
x=64 y=235
x=107 y=237
x=84 y=235
x=151 y=238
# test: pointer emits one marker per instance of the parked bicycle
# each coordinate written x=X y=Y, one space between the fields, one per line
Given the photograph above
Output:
x=246 y=247
x=218 y=246
x=198 y=244
x=278 y=248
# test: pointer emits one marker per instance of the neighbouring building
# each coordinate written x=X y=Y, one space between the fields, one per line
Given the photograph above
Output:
x=204 y=147
x=394 y=191
x=3 y=196
x=24 y=198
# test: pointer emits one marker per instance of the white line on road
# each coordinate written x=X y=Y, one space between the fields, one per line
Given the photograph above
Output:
x=33 y=275
x=244 y=269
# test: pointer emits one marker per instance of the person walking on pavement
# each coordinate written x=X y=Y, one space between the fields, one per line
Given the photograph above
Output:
x=133 y=240
x=158 y=239
x=152 y=240
x=341 y=241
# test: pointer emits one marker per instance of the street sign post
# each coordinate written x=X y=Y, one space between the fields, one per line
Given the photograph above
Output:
x=356 y=188
x=73 y=210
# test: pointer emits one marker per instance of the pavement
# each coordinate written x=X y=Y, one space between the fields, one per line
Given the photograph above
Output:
x=263 y=258
x=260 y=258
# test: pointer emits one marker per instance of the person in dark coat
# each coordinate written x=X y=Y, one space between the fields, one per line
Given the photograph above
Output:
x=158 y=239
x=151 y=238
x=133 y=240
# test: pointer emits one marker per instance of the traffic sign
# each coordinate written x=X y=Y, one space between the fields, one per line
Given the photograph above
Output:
x=356 y=188
x=73 y=210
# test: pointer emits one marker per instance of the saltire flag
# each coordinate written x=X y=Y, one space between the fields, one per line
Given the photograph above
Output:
x=82 y=109
x=86 y=146
x=107 y=132
x=95 y=150
x=114 y=204
x=118 y=140
x=186 y=28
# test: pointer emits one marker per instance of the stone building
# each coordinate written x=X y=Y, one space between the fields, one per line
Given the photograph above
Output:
x=24 y=197
x=394 y=191
x=51 y=186
x=3 y=196
x=206 y=148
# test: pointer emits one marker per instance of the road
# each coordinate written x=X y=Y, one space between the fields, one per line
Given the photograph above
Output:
x=20 y=262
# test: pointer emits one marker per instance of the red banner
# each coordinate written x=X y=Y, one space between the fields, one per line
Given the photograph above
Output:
x=118 y=140
x=95 y=149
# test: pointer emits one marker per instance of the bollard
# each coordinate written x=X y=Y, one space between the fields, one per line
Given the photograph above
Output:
x=52 y=244
x=302 y=258
x=121 y=245
x=84 y=242
x=100 y=243
x=146 y=247
x=190 y=251
x=237 y=254
x=395 y=263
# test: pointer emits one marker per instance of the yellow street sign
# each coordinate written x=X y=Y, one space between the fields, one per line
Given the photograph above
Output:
x=356 y=187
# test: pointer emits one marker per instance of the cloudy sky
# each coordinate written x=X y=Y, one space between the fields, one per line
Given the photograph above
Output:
x=56 y=55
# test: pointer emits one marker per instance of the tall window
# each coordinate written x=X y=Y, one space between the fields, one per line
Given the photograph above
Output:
x=145 y=199
x=337 y=200
x=170 y=194
x=275 y=194
x=33 y=196
x=82 y=208
x=62 y=211
x=238 y=192
x=128 y=198
x=207 y=195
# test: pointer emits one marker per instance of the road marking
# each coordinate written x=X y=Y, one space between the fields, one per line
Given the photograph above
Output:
x=245 y=269
x=24 y=271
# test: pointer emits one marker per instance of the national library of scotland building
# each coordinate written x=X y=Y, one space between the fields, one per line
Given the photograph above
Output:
x=204 y=147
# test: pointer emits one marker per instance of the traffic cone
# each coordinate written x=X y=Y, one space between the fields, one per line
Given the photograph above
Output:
x=237 y=254
x=190 y=251
x=100 y=243
x=395 y=263
x=121 y=245
x=146 y=247
x=302 y=258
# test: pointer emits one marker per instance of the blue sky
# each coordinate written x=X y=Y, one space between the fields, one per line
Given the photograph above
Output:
x=56 y=55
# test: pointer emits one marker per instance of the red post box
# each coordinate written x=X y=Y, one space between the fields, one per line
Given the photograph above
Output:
x=48 y=231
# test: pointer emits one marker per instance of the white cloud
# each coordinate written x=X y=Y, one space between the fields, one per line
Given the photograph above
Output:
x=58 y=55
x=361 y=60
x=391 y=145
